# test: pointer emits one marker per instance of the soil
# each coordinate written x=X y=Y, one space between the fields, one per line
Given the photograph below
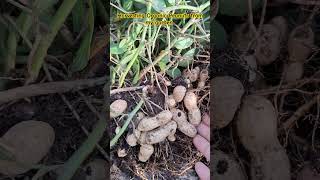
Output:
x=51 y=109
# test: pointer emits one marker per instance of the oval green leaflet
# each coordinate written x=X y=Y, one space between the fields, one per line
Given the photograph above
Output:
x=163 y=63
x=136 y=70
x=159 y=5
x=127 y=4
x=172 y=2
x=183 y=42
x=187 y=58
x=174 y=72
x=116 y=49
x=127 y=57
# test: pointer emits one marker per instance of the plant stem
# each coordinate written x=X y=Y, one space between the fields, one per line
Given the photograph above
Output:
x=22 y=7
x=124 y=127
x=167 y=50
x=140 y=48
x=45 y=42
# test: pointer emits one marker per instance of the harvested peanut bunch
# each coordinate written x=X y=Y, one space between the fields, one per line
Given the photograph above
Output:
x=152 y=130
x=155 y=129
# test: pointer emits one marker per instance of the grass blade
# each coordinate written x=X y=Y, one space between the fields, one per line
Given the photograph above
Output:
x=77 y=16
x=83 y=54
x=70 y=167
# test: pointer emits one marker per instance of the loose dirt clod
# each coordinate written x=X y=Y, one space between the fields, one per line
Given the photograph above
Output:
x=29 y=142
x=122 y=152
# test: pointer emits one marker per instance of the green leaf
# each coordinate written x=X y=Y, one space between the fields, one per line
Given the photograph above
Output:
x=78 y=13
x=174 y=72
x=163 y=63
x=187 y=58
x=127 y=57
x=45 y=4
x=159 y=5
x=123 y=43
x=219 y=35
x=237 y=7
x=136 y=69
x=183 y=42
x=116 y=49
x=172 y=2
x=127 y=4
x=137 y=31
x=83 y=54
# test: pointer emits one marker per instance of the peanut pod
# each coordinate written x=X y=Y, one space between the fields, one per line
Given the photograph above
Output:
x=227 y=92
x=257 y=129
x=150 y=123
x=183 y=125
x=145 y=152
x=160 y=134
